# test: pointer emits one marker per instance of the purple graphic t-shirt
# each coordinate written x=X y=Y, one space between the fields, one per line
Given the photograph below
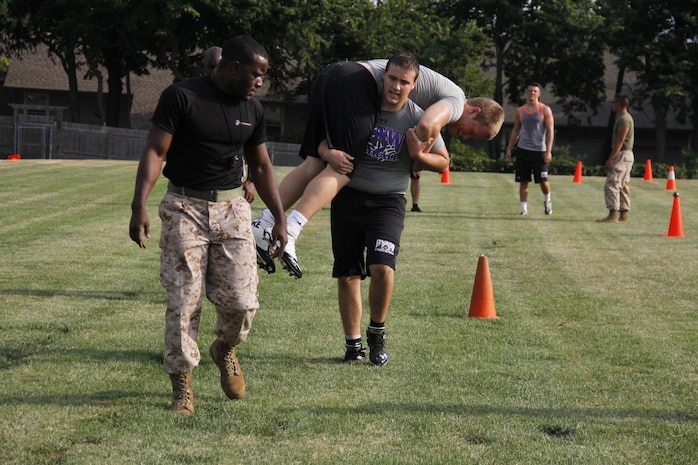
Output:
x=385 y=166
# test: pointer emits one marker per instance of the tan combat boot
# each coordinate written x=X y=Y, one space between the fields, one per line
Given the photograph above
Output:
x=611 y=218
x=624 y=216
x=232 y=379
x=182 y=394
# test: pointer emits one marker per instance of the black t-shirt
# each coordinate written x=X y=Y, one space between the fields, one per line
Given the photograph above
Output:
x=210 y=130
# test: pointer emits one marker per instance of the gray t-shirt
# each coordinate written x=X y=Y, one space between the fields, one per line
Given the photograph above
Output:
x=431 y=87
x=385 y=166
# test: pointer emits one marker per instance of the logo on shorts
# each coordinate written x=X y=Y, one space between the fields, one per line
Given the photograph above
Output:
x=384 y=246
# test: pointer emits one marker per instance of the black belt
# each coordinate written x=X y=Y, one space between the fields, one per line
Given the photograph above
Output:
x=211 y=196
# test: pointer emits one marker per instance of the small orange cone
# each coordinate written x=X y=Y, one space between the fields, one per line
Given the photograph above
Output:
x=676 y=223
x=648 y=170
x=446 y=176
x=578 y=173
x=14 y=156
x=671 y=180
x=482 y=300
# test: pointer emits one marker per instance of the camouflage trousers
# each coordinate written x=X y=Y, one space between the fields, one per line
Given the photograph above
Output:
x=617 y=187
x=205 y=245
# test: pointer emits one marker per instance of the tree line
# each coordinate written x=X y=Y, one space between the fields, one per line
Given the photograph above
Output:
x=558 y=43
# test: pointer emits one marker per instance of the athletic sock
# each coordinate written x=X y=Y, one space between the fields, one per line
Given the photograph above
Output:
x=524 y=206
x=376 y=326
x=353 y=343
x=295 y=222
x=546 y=197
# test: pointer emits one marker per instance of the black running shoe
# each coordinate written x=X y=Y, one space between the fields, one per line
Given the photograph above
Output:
x=353 y=355
x=290 y=264
x=415 y=208
x=376 y=343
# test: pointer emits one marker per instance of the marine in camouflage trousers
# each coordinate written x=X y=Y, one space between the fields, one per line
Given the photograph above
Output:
x=205 y=245
x=617 y=185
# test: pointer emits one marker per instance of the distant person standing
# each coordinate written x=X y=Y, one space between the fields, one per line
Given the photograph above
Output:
x=533 y=135
x=212 y=56
x=414 y=190
x=620 y=163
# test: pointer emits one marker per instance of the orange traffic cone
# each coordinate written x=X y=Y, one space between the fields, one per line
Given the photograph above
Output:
x=676 y=223
x=648 y=170
x=578 y=173
x=482 y=300
x=671 y=180
x=446 y=176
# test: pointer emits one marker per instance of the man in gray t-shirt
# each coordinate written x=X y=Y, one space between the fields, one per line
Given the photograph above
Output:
x=386 y=163
x=367 y=216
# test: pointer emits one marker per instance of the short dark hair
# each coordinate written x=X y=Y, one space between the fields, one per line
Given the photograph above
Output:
x=534 y=84
x=406 y=61
x=243 y=49
x=622 y=100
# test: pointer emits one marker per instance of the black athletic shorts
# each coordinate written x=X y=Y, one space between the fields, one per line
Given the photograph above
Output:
x=367 y=224
x=344 y=104
x=527 y=161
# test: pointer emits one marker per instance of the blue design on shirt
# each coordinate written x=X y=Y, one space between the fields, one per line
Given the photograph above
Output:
x=385 y=144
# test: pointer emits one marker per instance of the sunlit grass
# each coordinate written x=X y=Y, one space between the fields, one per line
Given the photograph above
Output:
x=591 y=361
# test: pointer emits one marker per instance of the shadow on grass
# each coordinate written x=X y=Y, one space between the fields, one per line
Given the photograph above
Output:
x=141 y=296
x=546 y=414
x=160 y=398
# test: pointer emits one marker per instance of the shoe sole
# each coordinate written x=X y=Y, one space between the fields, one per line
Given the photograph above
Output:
x=264 y=261
x=290 y=264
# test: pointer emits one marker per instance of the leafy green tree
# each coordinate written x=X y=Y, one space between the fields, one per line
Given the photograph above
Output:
x=656 y=40
x=554 y=42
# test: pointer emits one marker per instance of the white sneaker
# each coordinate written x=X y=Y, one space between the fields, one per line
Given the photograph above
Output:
x=262 y=238
x=548 y=204
x=524 y=213
x=289 y=260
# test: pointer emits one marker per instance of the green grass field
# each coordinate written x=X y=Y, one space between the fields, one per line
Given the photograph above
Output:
x=593 y=359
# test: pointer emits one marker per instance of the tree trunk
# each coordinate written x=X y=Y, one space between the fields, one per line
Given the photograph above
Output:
x=113 y=65
x=70 y=68
x=660 y=112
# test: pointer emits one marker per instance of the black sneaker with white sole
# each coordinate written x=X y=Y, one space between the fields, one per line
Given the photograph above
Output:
x=262 y=239
x=355 y=354
x=376 y=343
x=290 y=264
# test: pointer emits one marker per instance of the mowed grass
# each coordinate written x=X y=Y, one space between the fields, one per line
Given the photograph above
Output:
x=592 y=359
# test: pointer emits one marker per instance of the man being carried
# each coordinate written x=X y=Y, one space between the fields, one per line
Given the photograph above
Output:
x=343 y=106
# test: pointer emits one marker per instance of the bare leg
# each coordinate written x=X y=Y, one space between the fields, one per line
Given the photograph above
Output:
x=321 y=191
x=350 y=308
x=414 y=190
x=380 y=294
x=294 y=183
x=523 y=191
x=380 y=291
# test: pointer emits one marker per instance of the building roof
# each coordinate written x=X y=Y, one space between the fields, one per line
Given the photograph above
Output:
x=39 y=71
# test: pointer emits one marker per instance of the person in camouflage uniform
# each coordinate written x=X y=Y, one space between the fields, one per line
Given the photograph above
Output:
x=206 y=127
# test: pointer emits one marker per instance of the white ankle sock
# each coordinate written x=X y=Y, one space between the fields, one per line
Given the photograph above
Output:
x=295 y=223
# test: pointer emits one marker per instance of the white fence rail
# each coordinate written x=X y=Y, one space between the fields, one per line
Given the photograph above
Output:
x=82 y=141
